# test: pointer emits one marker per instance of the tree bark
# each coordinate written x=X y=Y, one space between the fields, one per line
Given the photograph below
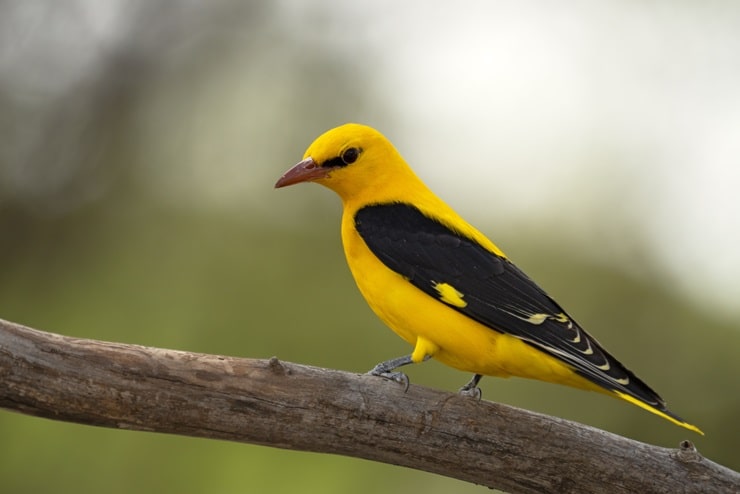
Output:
x=292 y=406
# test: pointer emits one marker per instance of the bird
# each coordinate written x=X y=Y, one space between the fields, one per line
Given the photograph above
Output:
x=444 y=287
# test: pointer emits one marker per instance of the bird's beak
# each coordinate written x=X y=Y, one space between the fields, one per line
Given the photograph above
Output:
x=303 y=171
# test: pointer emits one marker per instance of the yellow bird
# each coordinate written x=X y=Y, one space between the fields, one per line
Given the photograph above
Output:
x=446 y=289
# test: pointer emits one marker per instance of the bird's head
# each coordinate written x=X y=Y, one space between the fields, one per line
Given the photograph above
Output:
x=352 y=160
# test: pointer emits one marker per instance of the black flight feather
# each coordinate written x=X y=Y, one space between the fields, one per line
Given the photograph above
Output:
x=497 y=293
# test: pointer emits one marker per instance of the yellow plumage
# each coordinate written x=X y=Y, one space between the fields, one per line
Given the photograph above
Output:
x=433 y=315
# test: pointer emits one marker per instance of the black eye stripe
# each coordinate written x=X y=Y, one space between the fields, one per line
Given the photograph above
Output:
x=347 y=157
x=333 y=163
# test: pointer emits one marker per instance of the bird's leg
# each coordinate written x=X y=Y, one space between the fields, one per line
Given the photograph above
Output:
x=471 y=389
x=385 y=369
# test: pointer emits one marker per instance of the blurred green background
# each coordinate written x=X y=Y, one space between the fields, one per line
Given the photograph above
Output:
x=140 y=142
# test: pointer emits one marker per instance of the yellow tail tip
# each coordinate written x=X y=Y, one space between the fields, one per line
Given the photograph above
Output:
x=668 y=416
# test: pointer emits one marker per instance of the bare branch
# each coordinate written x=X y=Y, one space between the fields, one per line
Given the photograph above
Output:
x=293 y=406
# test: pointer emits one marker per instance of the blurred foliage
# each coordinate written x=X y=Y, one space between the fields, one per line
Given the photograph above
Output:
x=113 y=227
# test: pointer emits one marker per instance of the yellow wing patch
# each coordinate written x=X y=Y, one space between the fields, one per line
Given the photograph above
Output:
x=537 y=319
x=449 y=294
x=540 y=318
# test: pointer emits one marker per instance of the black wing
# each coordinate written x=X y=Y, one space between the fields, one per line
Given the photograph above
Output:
x=496 y=293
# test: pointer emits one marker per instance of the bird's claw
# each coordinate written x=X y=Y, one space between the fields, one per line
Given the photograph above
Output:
x=471 y=392
x=398 y=377
x=471 y=389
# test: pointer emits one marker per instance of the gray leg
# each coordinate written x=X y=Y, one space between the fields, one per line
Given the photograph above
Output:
x=385 y=369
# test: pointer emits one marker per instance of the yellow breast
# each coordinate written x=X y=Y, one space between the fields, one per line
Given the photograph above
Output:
x=434 y=328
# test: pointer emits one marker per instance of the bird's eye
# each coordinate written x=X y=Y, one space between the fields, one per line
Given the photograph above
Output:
x=350 y=155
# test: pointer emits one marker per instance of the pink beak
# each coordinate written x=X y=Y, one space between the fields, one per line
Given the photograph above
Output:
x=303 y=171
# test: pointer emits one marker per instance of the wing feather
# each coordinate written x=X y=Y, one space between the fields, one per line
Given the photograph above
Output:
x=498 y=294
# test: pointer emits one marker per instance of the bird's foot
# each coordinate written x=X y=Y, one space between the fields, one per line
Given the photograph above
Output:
x=385 y=370
x=398 y=377
x=471 y=389
x=474 y=393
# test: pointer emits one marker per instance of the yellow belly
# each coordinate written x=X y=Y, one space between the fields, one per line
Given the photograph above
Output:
x=433 y=328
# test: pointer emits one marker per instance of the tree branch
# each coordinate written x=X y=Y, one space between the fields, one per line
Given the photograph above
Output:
x=293 y=406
